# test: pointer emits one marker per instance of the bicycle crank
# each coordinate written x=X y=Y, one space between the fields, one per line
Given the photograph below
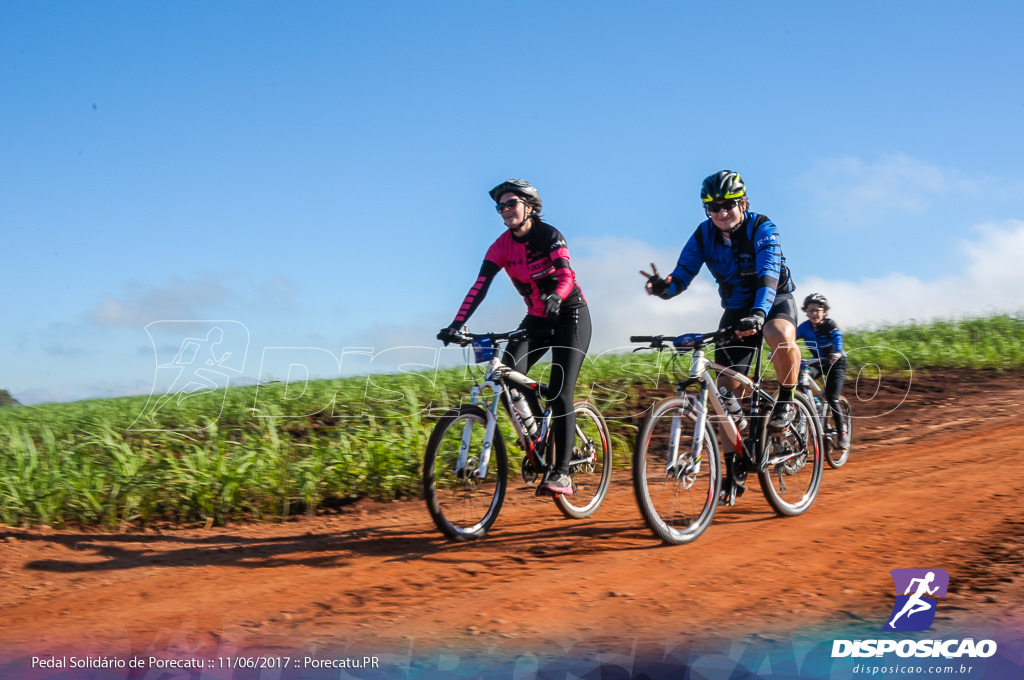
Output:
x=528 y=471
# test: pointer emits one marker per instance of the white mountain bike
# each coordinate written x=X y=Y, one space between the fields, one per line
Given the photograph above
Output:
x=678 y=475
x=465 y=468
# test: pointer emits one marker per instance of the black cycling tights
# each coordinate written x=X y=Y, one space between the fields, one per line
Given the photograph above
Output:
x=835 y=376
x=568 y=338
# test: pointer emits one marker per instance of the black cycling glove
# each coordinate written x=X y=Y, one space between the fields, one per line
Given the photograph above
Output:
x=754 y=322
x=659 y=286
x=449 y=335
x=552 y=303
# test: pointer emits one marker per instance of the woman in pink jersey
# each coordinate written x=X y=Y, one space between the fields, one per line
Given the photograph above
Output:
x=535 y=256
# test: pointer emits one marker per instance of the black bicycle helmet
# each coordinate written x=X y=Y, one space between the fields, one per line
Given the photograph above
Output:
x=522 y=188
x=722 y=186
x=516 y=186
x=816 y=297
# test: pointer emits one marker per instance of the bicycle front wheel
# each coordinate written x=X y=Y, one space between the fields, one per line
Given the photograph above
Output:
x=676 y=484
x=591 y=464
x=464 y=498
x=791 y=462
x=835 y=455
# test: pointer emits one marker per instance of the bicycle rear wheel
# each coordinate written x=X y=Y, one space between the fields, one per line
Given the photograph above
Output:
x=835 y=455
x=462 y=504
x=678 y=502
x=591 y=464
x=791 y=477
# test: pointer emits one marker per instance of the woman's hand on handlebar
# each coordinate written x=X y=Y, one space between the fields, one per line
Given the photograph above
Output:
x=449 y=335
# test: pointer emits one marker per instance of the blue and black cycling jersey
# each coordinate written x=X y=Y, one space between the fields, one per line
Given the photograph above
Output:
x=823 y=340
x=748 y=264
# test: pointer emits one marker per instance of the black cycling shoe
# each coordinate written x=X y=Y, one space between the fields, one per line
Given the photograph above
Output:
x=782 y=415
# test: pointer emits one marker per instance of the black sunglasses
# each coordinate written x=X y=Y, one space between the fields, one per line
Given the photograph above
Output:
x=723 y=205
x=500 y=207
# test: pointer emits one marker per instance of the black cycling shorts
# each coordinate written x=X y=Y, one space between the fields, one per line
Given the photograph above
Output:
x=740 y=351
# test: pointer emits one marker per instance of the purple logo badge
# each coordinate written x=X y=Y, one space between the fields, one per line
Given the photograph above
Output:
x=916 y=590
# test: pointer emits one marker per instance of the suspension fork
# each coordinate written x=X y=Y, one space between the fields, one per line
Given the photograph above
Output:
x=702 y=421
x=675 y=432
x=467 y=433
x=698 y=365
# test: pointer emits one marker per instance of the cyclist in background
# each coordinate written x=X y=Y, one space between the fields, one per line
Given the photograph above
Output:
x=743 y=251
x=536 y=258
x=822 y=337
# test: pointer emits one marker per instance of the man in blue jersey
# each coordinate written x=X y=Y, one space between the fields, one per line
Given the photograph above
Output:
x=743 y=251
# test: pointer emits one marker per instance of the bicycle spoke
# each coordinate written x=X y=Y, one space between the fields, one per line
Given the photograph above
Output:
x=791 y=474
x=676 y=487
x=590 y=465
x=462 y=502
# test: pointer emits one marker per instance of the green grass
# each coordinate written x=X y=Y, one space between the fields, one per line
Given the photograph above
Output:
x=263 y=453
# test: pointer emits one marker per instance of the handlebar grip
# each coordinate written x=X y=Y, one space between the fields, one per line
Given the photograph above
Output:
x=646 y=338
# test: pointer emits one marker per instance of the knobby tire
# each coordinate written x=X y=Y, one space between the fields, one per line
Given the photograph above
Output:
x=463 y=506
x=791 y=485
x=678 y=505
x=590 y=479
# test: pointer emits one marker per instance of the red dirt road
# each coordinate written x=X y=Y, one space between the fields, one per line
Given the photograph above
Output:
x=934 y=483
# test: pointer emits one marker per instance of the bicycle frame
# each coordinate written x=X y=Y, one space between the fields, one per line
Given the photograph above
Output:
x=496 y=375
x=678 y=503
x=700 y=373
x=466 y=466
x=812 y=390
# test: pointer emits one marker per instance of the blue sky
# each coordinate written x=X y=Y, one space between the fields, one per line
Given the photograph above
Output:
x=317 y=172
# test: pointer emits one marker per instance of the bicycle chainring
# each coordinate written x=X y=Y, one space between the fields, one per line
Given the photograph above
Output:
x=528 y=471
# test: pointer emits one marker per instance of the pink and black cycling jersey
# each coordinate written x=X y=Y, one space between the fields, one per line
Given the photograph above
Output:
x=538 y=265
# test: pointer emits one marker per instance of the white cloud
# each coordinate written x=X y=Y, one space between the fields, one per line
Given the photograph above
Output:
x=178 y=298
x=990 y=282
x=853 y=192
x=609 y=275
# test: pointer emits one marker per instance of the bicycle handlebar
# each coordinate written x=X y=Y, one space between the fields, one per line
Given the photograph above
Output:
x=687 y=340
x=646 y=338
x=464 y=338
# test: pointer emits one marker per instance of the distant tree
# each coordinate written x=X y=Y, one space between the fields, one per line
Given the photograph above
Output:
x=7 y=400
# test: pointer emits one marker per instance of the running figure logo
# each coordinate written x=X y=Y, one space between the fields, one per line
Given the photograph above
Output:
x=193 y=358
x=915 y=607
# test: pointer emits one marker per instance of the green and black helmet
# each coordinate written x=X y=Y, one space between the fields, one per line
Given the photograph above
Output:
x=722 y=186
